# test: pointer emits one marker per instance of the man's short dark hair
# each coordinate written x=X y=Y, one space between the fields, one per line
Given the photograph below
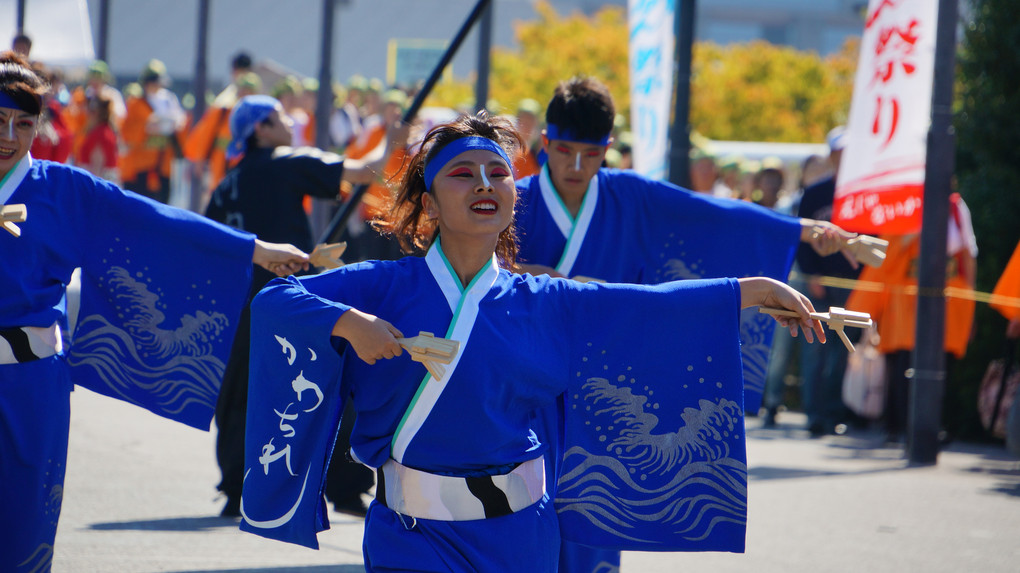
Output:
x=241 y=61
x=583 y=106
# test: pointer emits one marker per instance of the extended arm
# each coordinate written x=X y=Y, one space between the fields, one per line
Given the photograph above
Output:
x=357 y=172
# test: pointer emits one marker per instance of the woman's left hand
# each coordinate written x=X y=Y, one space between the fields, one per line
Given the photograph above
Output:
x=279 y=258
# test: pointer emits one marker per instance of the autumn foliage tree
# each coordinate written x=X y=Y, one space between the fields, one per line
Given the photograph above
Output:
x=749 y=92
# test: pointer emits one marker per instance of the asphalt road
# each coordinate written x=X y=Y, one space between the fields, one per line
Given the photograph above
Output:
x=140 y=497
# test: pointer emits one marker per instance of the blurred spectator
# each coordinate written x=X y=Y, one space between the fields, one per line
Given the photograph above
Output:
x=345 y=121
x=262 y=194
x=769 y=184
x=289 y=91
x=746 y=179
x=894 y=308
x=152 y=133
x=308 y=101
x=206 y=144
x=814 y=169
x=729 y=177
x=529 y=126
x=96 y=84
x=98 y=153
x=703 y=171
x=22 y=44
x=53 y=140
x=823 y=365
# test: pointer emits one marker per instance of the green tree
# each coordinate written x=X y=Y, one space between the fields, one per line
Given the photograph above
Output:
x=988 y=137
x=751 y=92
x=762 y=92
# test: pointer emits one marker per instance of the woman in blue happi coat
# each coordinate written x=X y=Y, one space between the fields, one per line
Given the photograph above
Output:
x=462 y=484
x=160 y=291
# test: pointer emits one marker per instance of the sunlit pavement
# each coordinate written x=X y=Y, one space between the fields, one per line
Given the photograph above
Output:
x=140 y=496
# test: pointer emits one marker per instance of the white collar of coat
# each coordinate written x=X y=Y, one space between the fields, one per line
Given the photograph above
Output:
x=14 y=178
x=573 y=230
x=464 y=305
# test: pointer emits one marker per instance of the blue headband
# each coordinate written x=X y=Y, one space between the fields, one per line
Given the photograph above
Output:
x=247 y=112
x=8 y=101
x=553 y=131
x=455 y=148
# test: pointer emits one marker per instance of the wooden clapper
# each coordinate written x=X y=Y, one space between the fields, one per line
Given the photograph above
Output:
x=837 y=319
x=431 y=351
x=11 y=214
x=327 y=256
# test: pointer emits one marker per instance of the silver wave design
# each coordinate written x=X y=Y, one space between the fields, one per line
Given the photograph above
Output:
x=173 y=366
x=685 y=479
x=676 y=269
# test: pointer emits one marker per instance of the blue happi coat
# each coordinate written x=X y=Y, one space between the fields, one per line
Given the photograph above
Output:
x=637 y=230
x=657 y=462
x=161 y=290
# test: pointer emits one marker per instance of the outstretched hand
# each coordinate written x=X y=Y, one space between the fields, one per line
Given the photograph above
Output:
x=280 y=259
x=371 y=337
x=763 y=291
x=827 y=239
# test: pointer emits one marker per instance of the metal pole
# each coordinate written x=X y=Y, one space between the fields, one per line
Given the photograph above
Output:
x=339 y=222
x=484 y=51
x=324 y=98
x=20 y=17
x=928 y=380
x=198 y=87
x=103 y=38
x=680 y=134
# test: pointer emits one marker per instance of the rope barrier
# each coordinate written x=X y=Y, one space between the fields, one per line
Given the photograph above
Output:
x=948 y=292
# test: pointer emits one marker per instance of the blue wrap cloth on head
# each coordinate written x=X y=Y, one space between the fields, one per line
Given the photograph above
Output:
x=248 y=112
x=553 y=131
x=455 y=148
x=8 y=101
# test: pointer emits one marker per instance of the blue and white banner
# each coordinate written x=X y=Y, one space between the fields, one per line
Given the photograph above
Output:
x=651 y=83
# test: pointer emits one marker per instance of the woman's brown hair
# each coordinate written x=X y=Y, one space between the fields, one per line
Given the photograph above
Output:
x=19 y=82
x=406 y=220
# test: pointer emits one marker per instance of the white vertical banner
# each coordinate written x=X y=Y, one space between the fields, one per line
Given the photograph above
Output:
x=651 y=83
x=881 y=175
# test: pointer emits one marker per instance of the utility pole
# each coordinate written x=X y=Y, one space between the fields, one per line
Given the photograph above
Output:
x=20 y=17
x=484 y=51
x=324 y=97
x=104 y=31
x=928 y=380
x=680 y=135
x=198 y=87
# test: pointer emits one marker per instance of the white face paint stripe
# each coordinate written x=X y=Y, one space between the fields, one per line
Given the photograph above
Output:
x=485 y=180
x=577 y=162
x=10 y=128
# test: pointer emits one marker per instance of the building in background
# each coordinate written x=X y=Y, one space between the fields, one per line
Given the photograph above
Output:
x=288 y=33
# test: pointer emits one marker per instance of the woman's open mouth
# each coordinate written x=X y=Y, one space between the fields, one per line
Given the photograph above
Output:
x=487 y=206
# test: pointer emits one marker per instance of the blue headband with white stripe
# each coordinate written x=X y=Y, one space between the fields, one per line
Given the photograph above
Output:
x=455 y=148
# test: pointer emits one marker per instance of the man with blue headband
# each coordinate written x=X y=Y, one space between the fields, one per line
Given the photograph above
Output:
x=263 y=194
x=579 y=219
